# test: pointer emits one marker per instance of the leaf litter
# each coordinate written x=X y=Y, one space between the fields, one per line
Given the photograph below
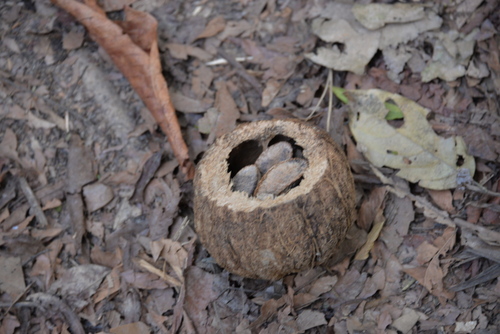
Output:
x=106 y=262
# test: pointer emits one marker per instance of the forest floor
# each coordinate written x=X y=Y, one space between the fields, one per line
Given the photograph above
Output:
x=88 y=246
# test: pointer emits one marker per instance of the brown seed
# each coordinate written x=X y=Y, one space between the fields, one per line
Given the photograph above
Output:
x=280 y=177
x=273 y=155
x=246 y=179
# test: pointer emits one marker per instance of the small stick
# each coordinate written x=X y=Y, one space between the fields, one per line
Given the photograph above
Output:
x=152 y=269
x=33 y=202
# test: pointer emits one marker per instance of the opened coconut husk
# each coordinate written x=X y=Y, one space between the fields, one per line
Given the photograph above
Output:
x=268 y=235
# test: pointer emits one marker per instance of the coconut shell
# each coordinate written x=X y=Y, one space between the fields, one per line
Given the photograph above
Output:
x=284 y=234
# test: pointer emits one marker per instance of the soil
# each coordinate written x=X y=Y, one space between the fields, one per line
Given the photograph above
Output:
x=96 y=214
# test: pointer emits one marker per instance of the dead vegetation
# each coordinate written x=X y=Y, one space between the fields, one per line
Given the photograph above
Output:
x=96 y=210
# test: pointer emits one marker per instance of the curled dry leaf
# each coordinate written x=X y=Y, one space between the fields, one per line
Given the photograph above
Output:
x=280 y=177
x=414 y=148
x=133 y=47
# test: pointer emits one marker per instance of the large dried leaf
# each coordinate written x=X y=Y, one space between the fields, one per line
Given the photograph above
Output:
x=358 y=49
x=79 y=283
x=414 y=148
x=378 y=224
x=11 y=276
x=377 y=15
x=133 y=47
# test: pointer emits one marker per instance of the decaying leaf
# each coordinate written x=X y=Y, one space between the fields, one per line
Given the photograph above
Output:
x=11 y=276
x=132 y=328
x=310 y=319
x=452 y=52
x=79 y=283
x=391 y=26
x=377 y=15
x=358 y=48
x=413 y=148
x=133 y=47
x=378 y=223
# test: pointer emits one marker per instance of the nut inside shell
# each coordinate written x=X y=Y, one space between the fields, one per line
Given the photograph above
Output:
x=294 y=229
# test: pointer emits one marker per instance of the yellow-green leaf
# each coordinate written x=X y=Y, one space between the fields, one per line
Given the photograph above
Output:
x=421 y=155
x=394 y=112
x=339 y=93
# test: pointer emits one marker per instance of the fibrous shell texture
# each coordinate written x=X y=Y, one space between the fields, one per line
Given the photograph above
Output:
x=272 y=237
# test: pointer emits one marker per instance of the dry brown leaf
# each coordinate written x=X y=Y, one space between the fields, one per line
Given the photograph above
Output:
x=407 y=321
x=228 y=109
x=133 y=328
x=188 y=105
x=214 y=26
x=96 y=196
x=107 y=259
x=8 y=146
x=443 y=199
x=374 y=283
x=302 y=300
x=310 y=319
x=268 y=310
x=9 y=324
x=134 y=50
x=370 y=206
x=200 y=292
x=173 y=252
x=399 y=213
x=147 y=281
x=11 y=276
x=4 y=215
x=52 y=204
x=202 y=79
x=272 y=89
x=182 y=51
x=42 y=267
x=323 y=285
x=235 y=28
x=73 y=40
x=373 y=235
x=47 y=233
x=16 y=112
x=81 y=165
x=109 y=286
x=161 y=301
x=75 y=207
x=425 y=252
x=79 y=283
x=431 y=277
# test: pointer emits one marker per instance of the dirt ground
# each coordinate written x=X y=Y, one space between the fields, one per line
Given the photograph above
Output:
x=96 y=214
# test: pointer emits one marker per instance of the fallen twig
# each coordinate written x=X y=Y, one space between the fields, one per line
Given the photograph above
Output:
x=166 y=277
x=132 y=45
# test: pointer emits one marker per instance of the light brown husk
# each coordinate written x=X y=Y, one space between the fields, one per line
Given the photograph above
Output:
x=277 y=236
